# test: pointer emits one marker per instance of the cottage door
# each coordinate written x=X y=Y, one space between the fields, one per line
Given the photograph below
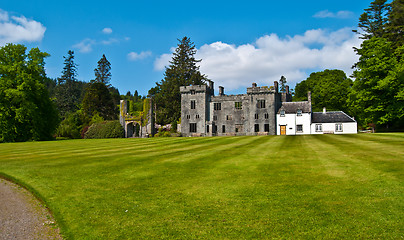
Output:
x=283 y=130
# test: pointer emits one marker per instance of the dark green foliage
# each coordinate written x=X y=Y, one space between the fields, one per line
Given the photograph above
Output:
x=68 y=92
x=71 y=126
x=378 y=91
x=329 y=88
x=98 y=99
x=106 y=129
x=282 y=81
x=183 y=71
x=395 y=25
x=103 y=71
x=26 y=111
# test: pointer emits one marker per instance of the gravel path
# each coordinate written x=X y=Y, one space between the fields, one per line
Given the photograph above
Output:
x=22 y=216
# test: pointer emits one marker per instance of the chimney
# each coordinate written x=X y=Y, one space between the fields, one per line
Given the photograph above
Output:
x=254 y=85
x=210 y=84
x=287 y=89
x=221 y=91
x=276 y=86
x=324 y=110
x=309 y=96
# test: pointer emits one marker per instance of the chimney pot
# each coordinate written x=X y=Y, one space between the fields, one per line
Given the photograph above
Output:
x=254 y=85
x=324 y=110
x=221 y=90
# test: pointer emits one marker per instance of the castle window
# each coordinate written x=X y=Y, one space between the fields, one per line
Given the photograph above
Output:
x=207 y=128
x=266 y=127
x=192 y=127
x=299 y=128
x=282 y=113
x=197 y=116
x=214 y=118
x=223 y=128
x=256 y=128
x=338 y=127
x=238 y=105
x=188 y=116
x=193 y=104
x=229 y=117
x=260 y=103
x=319 y=128
x=266 y=115
x=256 y=116
x=192 y=92
x=299 y=112
x=217 y=106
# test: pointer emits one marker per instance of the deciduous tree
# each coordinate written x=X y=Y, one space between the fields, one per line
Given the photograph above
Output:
x=26 y=111
x=329 y=88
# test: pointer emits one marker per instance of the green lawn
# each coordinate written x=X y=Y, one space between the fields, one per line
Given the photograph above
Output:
x=281 y=187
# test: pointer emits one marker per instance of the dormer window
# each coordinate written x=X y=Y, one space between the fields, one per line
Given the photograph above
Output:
x=282 y=113
x=299 y=112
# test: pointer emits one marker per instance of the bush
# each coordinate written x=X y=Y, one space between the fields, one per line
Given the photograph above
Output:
x=106 y=129
x=70 y=127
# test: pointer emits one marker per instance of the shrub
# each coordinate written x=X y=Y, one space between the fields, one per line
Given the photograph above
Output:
x=106 y=129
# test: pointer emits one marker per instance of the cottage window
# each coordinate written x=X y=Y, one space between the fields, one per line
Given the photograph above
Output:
x=238 y=105
x=338 y=127
x=299 y=128
x=319 y=127
x=192 y=127
x=193 y=104
x=217 y=106
x=260 y=103
x=299 y=112
x=256 y=128
x=282 y=113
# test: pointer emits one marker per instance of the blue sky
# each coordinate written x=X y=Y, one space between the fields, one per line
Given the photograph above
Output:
x=239 y=42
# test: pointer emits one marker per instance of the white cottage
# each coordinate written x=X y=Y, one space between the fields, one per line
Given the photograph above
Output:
x=296 y=118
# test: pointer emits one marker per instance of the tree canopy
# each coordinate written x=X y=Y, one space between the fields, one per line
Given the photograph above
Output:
x=103 y=71
x=26 y=111
x=329 y=88
x=182 y=71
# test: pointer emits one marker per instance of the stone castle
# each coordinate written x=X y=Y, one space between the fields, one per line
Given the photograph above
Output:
x=254 y=113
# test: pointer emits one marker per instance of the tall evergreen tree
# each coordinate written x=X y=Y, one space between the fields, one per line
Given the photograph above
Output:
x=182 y=71
x=103 y=71
x=69 y=90
x=373 y=20
x=282 y=81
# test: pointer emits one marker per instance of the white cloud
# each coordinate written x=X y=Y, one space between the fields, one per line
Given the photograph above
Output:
x=85 y=46
x=133 y=56
x=107 y=30
x=270 y=57
x=19 y=29
x=339 y=14
x=109 y=41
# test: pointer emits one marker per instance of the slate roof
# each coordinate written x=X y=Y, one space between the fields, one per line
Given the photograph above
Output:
x=292 y=107
x=331 y=117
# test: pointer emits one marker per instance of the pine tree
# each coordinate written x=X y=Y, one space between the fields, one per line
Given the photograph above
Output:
x=182 y=71
x=282 y=81
x=395 y=25
x=102 y=72
x=69 y=89
x=373 y=20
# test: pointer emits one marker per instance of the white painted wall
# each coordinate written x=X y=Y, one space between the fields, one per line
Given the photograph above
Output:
x=291 y=120
x=347 y=128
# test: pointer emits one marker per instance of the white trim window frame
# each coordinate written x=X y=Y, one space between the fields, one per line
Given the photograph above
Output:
x=319 y=127
x=338 y=127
